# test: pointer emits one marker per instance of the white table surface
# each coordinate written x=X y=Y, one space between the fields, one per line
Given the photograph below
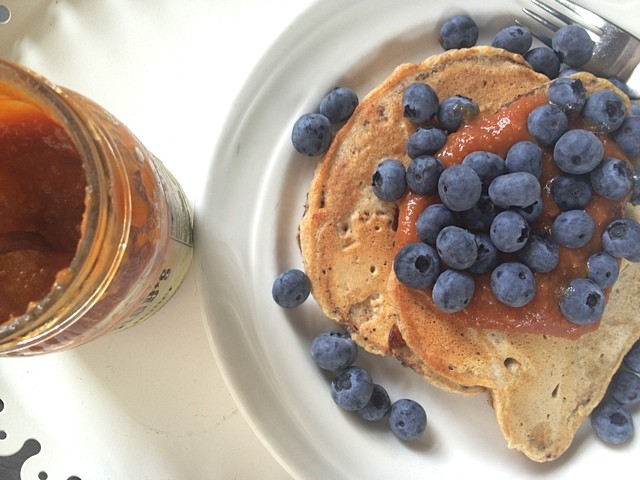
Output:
x=147 y=403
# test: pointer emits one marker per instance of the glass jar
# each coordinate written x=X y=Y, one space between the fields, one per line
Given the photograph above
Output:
x=110 y=225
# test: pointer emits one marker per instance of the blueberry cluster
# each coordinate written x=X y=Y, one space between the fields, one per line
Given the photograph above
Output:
x=312 y=132
x=612 y=420
x=483 y=222
x=353 y=389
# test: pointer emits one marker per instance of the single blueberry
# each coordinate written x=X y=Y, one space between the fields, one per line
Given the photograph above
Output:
x=425 y=141
x=612 y=179
x=487 y=255
x=540 y=254
x=459 y=187
x=487 y=165
x=573 y=228
x=632 y=358
x=479 y=217
x=612 y=423
x=513 y=284
x=628 y=137
x=509 y=231
x=547 y=123
x=389 y=181
x=416 y=265
x=333 y=351
x=457 y=247
x=543 y=60
x=634 y=199
x=573 y=45
x=351 y=389
x=453 y=290
x=456 y=110
x=582 y=302
x=378 y=407
x=339 y=104
x=420 y=102
x=515 y=38
x=524 y=156
x=625 y=387
x=569 y=94
x=578 y=151
x=423 y=174
x=519 y=189
x=433 y=219
x=407 y=419
x=311 y=134
x=603 y=268
x=459 y=31
x=571 y=192
x=621 y=238
x=291 y=288
x=604 y=111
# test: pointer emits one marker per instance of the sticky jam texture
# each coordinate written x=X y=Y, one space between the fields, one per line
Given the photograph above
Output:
x=42 y=191
x=496 y=133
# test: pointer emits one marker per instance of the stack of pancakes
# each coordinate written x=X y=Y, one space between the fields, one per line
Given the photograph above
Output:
x=541 y=387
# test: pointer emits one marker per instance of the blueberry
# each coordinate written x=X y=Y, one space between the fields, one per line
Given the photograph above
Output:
x=571 y=192
x=378 y=406
x=531 y=212
x=433 y=219
x=519 y=189
x=573 y=45
x=456 y=110
x=487 y=254
x=389 y=181
x=513 y=284
x=635 y=109
x=524 y=156
x=459 y=31
x=621 y=238
x=423 y=173
x=311 y=134
x=338 y=105
x=515 y=38
x=479 y=217
x=634 y=199
x=425 y=141
x=582 y=302
x=632 y=358
x=407 y=419
x=416 y=265
x=547 y=123
x=352 y=388
x=453 y=290
x=509 y=231
x=291 y=288
x=603 y=268
x=604 y=111
x=487 y=165
x=612 y=179
x=612 y=423
x=578 y=151
x=621 y=85
x=333 y=351
x=420 y=102
x=543 y=60
x=457 y=247
x=569 y=94
x=573 y=228
x=628 y=137
x=540 y=254
x=625 y=387
x=459 y=188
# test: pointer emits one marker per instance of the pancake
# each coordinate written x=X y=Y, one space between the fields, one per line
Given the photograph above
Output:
x=347 y=234
x=541 y=387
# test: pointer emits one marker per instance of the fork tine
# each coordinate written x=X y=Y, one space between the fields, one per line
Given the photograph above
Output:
x=535 y=32
x=560 y=16
x=588 y=16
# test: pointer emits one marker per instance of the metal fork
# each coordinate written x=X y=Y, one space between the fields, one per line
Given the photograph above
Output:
x=616 y=52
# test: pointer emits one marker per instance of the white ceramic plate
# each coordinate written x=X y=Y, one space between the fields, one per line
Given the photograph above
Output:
x=246 y=236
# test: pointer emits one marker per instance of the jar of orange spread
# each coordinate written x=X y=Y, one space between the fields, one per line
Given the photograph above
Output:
x=95 y=234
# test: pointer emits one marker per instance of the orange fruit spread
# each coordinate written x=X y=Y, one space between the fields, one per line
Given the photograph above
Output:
x=42 y=191
x=496 y=133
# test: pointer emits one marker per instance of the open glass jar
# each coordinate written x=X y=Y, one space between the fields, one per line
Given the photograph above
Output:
x=95 y=234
